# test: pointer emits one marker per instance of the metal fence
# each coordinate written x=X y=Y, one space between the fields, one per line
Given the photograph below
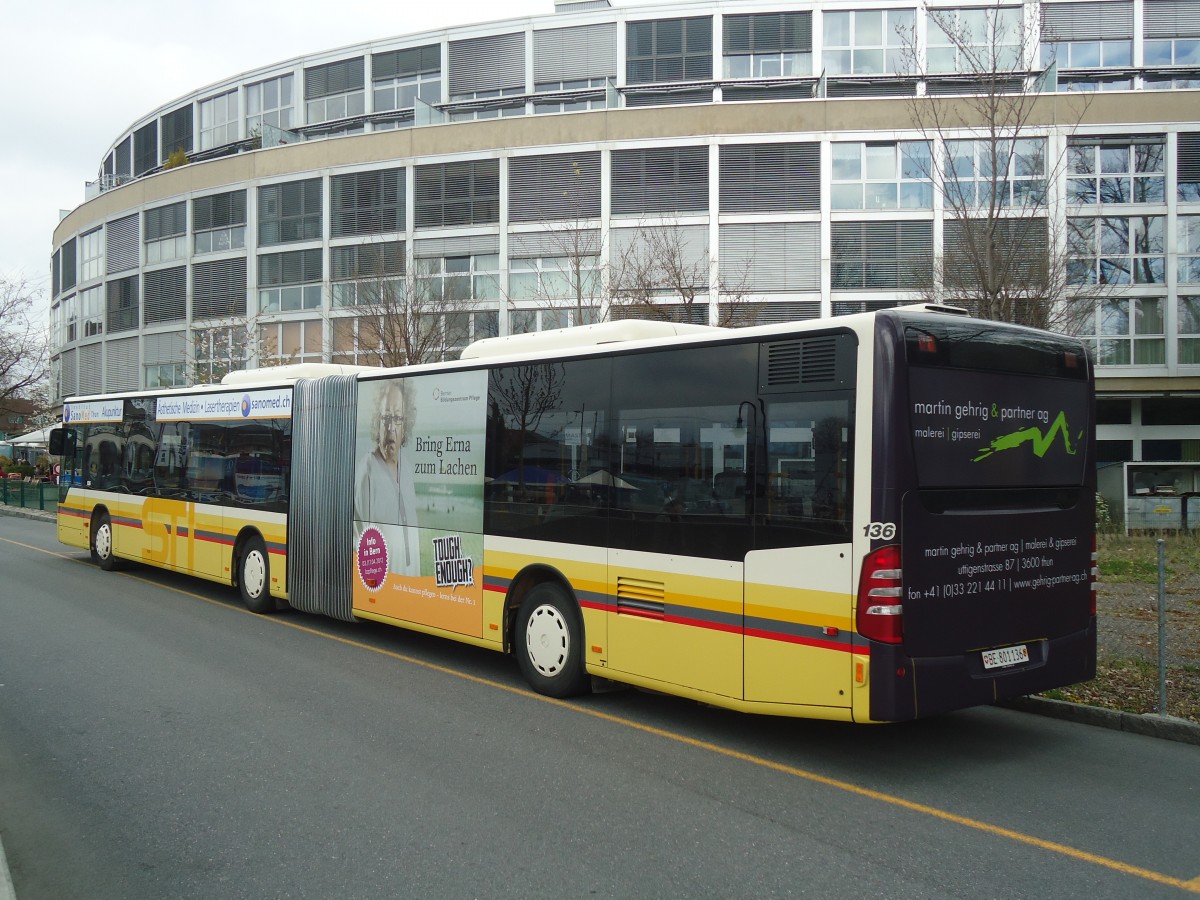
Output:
x=29 y=494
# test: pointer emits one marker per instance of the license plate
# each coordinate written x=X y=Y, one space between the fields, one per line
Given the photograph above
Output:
x=1005 y=656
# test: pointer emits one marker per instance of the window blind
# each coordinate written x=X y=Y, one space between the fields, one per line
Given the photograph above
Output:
x=558 y=186
x=219 y=211
x=164 y=295
x=339 y=77
x=121 y=238
x=367 y=202
x=572 y=54
x=219 y=289
x=771 y=257
x=165 y=221
x=660 y=180
x=492 y=63
x=294 y=267
x=775 y=177
x=1087 y=21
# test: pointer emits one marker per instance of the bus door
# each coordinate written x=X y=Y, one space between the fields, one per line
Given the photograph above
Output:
x=680 y=524
x=799 y=578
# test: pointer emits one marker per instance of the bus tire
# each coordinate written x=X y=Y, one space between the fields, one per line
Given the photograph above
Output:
x=101 y=543
x=254 y=576
x=549 y=642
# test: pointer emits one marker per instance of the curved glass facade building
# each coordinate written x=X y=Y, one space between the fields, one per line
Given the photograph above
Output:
x=724 y=161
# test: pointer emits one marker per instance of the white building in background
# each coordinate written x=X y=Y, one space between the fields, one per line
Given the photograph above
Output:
x=771 y=139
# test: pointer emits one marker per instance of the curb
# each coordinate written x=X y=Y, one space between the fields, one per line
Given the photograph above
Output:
x=1149 y=724
x=42 y=515
x=7 y=891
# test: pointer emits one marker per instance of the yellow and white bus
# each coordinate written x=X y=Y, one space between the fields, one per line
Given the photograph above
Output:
x=872 y=518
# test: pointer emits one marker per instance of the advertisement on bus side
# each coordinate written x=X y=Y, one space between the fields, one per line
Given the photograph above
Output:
x=418 y=500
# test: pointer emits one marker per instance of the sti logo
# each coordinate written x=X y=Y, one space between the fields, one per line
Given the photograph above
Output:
x=245 y=406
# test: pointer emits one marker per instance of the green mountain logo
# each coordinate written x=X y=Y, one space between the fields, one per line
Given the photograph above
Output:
x=1041 y=442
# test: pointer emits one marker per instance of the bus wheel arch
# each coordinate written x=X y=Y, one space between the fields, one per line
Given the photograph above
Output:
x=544 y=624
x=100 y=539
x=252 y=571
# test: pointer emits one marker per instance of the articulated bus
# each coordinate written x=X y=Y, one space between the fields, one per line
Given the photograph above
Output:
x=872 y=518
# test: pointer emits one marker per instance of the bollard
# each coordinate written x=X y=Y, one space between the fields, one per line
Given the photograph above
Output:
x=1162 y=627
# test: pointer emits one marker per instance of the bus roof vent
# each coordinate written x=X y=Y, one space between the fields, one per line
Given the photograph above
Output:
x=811 y=364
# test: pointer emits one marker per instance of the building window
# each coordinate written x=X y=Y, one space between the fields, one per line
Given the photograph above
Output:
x=1174 y=52
x=877 y=256
x=461 y=328
x=289 y=212
x=219 y=351
x=91 y=304
x=368 y=274
x=1187 y=167
x=974 y=40
x=1188 y=233
x=356 y=342
x=367 y=203
x=290 y=342
x=177 y=132
x=453 y=279
x=400 y=77
x=289 y=281
x=667 y=50
x=458 y=193
x=660 y=181
x=1127 y=331
x=334 y=91
x=490 y=111
x=768 y=45
x=555 y=277
x=770 y=177
x=492 y=66
x=219 y=222
x=882 y=175
x=70 y=318
x=145 y=148
x=164 y=295
x=166 y=375
x=562 y=186
x=219 y=288
x=1189 y=331
x=1006 y=173
x=269 y=103
x=219 y=120
x=1116 y=250
x=124 y=304
x=91 y=255
x=1088 y=54
x=528 y=321
x=1116 y=171
x=165 y=233
x=867 y=42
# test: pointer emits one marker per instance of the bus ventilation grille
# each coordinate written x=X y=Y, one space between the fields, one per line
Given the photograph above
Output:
x=802 y=363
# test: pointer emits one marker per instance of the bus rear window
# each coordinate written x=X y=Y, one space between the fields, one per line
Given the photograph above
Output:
x=988 y=429
x=992 y=346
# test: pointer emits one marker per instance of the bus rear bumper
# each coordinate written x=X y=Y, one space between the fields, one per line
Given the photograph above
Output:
x=904 y=687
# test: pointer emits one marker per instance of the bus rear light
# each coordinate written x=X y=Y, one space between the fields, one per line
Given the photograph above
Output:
x=880 y=614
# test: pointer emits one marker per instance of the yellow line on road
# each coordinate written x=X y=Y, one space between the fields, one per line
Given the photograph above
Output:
x=1191 y=886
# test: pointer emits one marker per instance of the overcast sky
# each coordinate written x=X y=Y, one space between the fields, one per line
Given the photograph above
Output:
x=77 y=74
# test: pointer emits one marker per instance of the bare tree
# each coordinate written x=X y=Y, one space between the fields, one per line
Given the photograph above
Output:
x=225 y=345
x=986 y=151
x=407 y=312
x=569 y=275
x=667 y=262
x=24 y=343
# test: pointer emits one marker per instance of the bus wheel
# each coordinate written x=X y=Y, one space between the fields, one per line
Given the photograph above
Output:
x=102 y=543
x=550 y=643
x=254 y=576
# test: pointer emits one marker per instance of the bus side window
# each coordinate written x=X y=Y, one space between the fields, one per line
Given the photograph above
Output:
x=808 y=473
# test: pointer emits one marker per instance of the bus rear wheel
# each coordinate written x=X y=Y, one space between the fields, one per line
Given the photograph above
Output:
x=102 y=542
x=254 y=576
x=549 y=642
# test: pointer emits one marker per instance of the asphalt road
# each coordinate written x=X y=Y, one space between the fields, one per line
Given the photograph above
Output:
x=158 y=741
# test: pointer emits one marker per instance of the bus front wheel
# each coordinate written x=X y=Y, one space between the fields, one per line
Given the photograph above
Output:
x=254 y=576
x=102 y=542
x=550 y=642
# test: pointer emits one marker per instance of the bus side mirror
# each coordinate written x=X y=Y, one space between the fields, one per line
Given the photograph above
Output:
x=62 y=442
